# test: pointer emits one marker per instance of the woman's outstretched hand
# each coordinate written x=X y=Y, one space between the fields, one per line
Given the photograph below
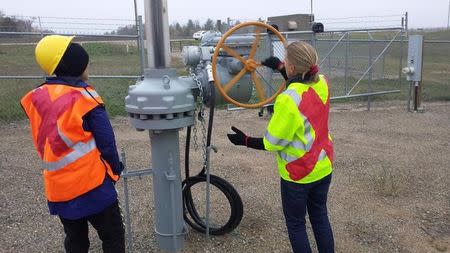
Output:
x=238 y=138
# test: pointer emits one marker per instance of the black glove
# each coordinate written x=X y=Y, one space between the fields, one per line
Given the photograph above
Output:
x=118 y=171
x=272 y=62
x=238 y=138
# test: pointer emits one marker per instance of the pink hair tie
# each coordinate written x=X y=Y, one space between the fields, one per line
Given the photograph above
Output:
x=314 y=70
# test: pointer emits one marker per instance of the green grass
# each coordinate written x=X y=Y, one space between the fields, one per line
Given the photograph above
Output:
x=434 y=35
x=115 y=59
x=105 y=59
x=112 y=91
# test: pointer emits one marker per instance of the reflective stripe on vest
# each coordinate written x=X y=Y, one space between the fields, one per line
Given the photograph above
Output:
x=79 y=150
x=290 y=159
x=295 y=144
x=308 y=134
x=90 y=94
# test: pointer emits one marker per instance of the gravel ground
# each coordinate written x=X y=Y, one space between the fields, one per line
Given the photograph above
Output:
x=390 y=190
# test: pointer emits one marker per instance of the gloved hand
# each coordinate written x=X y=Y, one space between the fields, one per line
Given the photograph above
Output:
x=118 y=171
x=238 y=138
x=273 y=63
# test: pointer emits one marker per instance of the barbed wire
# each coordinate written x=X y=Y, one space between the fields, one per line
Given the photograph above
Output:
x=84 y=23
x=360 y=17
x=68 y=18
x=354 y=21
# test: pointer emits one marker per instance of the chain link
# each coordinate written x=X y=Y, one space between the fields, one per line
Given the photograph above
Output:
x=201 y=118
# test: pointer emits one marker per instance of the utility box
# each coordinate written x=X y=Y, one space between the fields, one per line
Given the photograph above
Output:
x=413 y=71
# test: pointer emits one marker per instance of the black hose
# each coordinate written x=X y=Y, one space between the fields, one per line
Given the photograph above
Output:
x=186 y=151
x=197 y=222
x=212 y=101
x=235 y=201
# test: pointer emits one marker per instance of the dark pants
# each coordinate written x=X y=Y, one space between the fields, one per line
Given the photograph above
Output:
x=296 y=200
x=109 y=227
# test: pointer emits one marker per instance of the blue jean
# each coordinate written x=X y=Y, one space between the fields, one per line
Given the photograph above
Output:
x=296 y=200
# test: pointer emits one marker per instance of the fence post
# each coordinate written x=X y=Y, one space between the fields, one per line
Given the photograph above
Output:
x=370 y=71
x=313 y=39
x=141 y=45
x=40 y=26
x=402 y=41
x=329 y=57
x=383 y=65
x=347 y=45
x=127 y=203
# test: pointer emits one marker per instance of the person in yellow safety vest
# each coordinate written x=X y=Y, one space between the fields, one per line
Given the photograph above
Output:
x=298 y=133
x=75 y=142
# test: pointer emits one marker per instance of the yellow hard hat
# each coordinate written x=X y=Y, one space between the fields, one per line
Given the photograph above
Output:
x=50 y=50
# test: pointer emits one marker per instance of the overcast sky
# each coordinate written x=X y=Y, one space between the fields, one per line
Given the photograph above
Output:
x=429 y=13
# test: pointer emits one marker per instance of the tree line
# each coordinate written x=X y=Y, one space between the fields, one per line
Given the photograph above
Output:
x=13 y=24
x=177 y=30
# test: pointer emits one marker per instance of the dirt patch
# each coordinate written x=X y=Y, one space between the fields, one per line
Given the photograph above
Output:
x=390 y=189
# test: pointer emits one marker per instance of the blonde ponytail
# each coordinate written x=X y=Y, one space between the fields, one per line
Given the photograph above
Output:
x=304 y=58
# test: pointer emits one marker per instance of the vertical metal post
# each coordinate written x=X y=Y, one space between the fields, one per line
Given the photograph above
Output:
x=141 y=44
x=416 y=96
x=209 y=146
x=406 y=21
x=157 y=32
x=410 y=90
x=448 y=17
x=405 y=34
x=127 y=203
x=370 y=71
x=313 y=40
x=329 y=57
x=269 y=45
x=400 y=74
x=347 y=45
x=208 y=192
x=169 y=224
x=135 y=14
x=352 y=60
x=40 y=26
x=383 y=63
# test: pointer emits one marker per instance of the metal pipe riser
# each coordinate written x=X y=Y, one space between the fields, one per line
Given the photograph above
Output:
x=169 y=224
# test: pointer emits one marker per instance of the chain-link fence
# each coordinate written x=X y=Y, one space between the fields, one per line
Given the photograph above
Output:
x=367 y=63
x=359 y=63
x=116 y=59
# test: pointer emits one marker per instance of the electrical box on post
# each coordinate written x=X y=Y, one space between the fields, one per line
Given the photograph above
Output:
x=413 y=71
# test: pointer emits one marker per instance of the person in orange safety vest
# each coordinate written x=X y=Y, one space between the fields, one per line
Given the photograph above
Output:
x=75 y=143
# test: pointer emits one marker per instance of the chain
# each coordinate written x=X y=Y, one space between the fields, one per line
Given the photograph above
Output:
x=201 y=118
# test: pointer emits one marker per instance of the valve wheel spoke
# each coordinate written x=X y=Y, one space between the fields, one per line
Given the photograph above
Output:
x=260 y=90
x=233 y=53
x=255 y=44
x=233 y=81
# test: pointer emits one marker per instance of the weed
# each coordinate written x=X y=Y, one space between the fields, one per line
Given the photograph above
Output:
x=389 y=182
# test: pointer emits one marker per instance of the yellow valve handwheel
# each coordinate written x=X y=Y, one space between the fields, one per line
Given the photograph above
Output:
x=250 y=65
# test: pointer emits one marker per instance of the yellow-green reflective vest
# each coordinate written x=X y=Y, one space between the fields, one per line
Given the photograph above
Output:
x=298 y=132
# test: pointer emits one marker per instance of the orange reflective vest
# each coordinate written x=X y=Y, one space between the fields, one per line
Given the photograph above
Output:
x=71 y=161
